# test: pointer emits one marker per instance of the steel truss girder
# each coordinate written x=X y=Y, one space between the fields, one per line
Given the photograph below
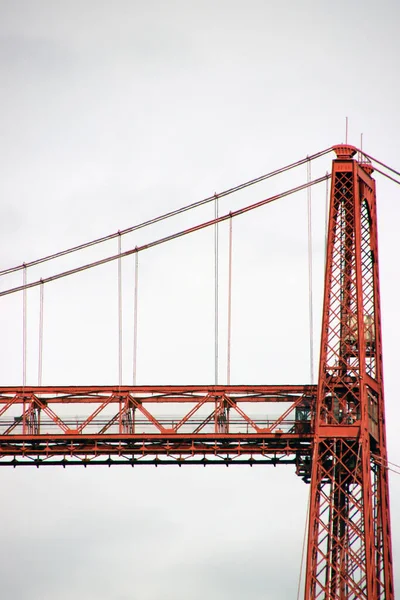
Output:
x=210 y=425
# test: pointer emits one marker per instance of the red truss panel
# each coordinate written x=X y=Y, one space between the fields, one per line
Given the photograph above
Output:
x=156 y=425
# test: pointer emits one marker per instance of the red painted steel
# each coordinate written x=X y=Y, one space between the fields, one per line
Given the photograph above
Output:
x=156 y=425
x=349 y=544
x=333 y=433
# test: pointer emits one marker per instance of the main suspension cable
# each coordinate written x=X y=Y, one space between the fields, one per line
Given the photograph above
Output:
x=165 y=239
x=167 y=215
x=379 y=163
x=386 y=175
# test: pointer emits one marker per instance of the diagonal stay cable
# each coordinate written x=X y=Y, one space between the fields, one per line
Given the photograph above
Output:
x=163 y=240
x=168 y=215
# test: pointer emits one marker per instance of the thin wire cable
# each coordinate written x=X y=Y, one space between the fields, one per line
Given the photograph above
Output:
x=184 y=209
x=326 y=215
x=24 y=326
x=389 y=468
x=310 y=274
x=392 y=463
x=303 y=548
x=228 y=361
x=381 y=163
x=168 y=215
x=119 y=312
x=393 y=470
x=304 y=543
x=40 y=354
x=358 y=458
x=386 y=175
x=386 y=464
x=135 y=319
x=216 y=290
x=168 y=238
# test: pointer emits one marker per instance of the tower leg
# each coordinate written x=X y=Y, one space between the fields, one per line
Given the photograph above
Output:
x=349 y=545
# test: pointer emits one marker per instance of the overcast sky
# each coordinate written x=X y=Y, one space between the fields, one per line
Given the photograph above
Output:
x=115 y=112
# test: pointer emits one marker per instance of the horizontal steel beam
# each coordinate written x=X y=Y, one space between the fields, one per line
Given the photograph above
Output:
x=158 y=393
x=156 y=462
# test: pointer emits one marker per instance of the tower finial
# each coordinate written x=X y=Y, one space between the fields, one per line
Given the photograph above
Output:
x=344 y=151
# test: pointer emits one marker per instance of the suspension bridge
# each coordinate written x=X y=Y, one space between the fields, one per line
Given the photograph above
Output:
x=332 y=429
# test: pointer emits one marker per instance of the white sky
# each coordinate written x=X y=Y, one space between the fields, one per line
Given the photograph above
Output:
x=115 y=112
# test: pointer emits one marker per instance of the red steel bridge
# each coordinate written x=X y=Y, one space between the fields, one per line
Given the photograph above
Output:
x=332 y=432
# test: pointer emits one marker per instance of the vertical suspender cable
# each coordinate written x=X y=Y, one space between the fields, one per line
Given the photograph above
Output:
x=119 y=313
x=24 y=327
x=228 y=362
x=216 y=287
x=326 y=214
x=360 y=154
x=310 y=273
x=135 y=318
x=40 y=360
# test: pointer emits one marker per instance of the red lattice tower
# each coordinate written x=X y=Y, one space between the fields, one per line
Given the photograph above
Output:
x=349 y=543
